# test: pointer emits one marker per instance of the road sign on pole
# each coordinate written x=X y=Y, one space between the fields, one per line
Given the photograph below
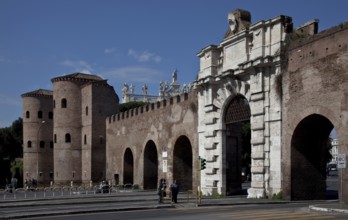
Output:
x=341 y=161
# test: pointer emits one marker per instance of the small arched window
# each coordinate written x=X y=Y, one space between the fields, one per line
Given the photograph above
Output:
x=64 y=103
x=42 y=144
x=29 y=144
x=86 y=110
x=55 y=138
x=67 y=138
x=39 y=114
x=85 y=139
x=51 y=144
x=27 y=114
x=50 y=115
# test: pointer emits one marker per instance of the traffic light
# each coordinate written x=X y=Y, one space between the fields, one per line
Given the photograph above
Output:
x=202 y=162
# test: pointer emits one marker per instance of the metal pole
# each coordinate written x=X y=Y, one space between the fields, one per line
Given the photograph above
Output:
x=341 y=198
x=37 y=153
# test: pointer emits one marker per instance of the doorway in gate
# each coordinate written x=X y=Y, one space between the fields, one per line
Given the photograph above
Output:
x=150 y=166
x=182 y=163
x=310 y=154
x=237 y=147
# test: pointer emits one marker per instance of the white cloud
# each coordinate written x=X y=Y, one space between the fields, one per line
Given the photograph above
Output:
x=144 y=56
x=78 y=66
x=135 y=74
x=109 y=50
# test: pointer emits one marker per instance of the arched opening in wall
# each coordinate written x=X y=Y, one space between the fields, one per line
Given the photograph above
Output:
x=237 y=148
x=182 y=163
x=310 y=154
x=150 y=166
x=128 y=167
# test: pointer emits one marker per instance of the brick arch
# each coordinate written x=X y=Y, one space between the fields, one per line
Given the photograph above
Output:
x=150 y=165
x=309 y=157
x=128 y=167
x=289 y=128
x=183 y=163
x=320 y=110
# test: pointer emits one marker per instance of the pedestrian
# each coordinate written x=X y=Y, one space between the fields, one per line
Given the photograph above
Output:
x=14 y=183
x=174 y=189
x=26 y=184
x=161 y=190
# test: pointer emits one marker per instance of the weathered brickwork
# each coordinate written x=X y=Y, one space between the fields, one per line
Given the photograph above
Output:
x=314 y=92
x=162 y=123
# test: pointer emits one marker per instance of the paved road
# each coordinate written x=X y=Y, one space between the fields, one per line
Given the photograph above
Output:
x=242 y=212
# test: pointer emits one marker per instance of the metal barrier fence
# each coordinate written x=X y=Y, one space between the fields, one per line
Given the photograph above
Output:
x=64 y=191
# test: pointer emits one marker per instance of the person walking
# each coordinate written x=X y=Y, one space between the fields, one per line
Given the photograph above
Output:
x=174 y=188
x=161 y=190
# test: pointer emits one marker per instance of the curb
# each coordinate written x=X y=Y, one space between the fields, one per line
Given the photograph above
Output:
x=330 y=210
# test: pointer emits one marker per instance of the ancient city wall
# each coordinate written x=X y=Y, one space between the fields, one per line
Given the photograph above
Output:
x=163 y=123
x=314 y=87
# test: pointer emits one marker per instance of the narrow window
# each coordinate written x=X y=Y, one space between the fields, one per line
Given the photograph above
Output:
x=86 y=110
x=100 y=139
x=42 y=144
x=67 y=138
x=29 y=144
x=50 y=115
x=54 y=103
x=85 y=139
x=51 y=144
x=39 y=114
x=64 y=103
x=55 y=138
x=27 y=114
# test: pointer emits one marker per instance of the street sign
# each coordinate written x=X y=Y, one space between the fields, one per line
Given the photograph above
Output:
x=165 y=166
x=341 y=161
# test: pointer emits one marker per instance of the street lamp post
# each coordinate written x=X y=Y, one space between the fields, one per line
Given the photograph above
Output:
x=37 y=151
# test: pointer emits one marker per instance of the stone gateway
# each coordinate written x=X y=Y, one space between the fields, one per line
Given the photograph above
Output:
x=262 y=108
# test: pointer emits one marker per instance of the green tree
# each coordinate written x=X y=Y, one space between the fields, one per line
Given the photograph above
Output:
x=10 y=149
x=130 y=105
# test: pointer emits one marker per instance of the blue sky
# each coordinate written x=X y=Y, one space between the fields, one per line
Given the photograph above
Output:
x=130 y=41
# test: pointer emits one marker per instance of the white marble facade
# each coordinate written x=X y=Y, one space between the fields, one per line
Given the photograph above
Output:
x=246 y=62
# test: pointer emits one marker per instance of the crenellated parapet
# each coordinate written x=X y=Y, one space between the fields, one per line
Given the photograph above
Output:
x=150 y=107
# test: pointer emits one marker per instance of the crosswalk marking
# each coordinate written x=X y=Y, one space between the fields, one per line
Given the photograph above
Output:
x=261 y=215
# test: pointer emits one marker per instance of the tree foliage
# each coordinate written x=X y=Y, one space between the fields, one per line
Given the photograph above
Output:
x=130 y=105
x=11 y=140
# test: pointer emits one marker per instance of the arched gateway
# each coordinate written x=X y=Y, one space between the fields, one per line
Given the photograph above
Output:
x=310 y=152
x=150 y=166
x=237 y=150
x=182 y=163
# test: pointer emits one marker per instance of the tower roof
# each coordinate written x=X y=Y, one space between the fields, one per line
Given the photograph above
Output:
x=78 y=76
x=39 y=92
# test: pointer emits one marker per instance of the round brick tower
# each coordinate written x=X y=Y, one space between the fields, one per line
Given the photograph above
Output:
x=77 y=124
x=38 y=136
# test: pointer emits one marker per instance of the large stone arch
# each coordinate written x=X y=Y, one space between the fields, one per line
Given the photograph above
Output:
x=294 y=121
x=237 y=148
x=128 y=167
x=309 y=149
x=183 y=163
x=150 y=165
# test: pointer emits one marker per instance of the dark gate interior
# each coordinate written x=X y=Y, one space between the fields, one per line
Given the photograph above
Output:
x=150 y=166
x=182 y=163
x=238 y=148
x=309 y=156
x=128 y=167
